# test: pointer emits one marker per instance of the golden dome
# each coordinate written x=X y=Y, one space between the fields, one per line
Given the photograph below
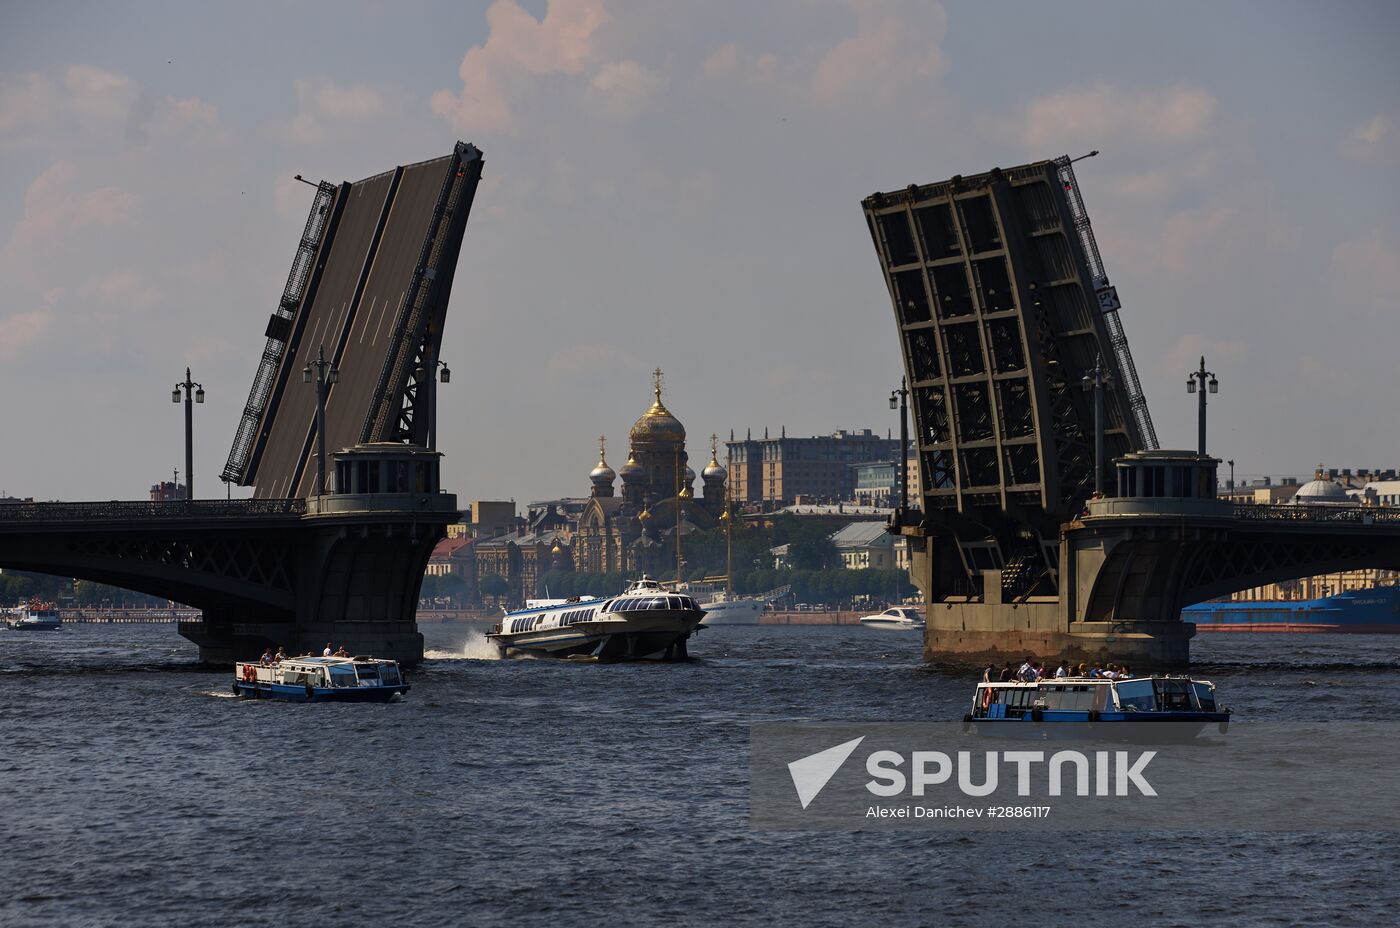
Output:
x=657 y=424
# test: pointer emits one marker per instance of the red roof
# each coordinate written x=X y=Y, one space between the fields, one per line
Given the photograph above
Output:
x=450 y=546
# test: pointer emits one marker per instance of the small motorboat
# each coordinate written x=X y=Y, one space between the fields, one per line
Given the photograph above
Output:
x=896 y=618
x=320 y=679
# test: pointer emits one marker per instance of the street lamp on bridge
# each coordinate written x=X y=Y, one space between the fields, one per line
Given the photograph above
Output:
x=428 y=382
x=1210 y=385
x=1097 y=380
x=899 y=399
x=325 y=374
x=193 y=391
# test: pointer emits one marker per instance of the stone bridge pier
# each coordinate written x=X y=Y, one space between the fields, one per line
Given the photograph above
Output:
x=1130 y=563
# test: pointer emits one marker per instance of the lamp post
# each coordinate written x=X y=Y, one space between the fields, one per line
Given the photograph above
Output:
x=1208 y=383
x=325 y=375
x=1097 y=381
x=1231 y=462
x=428 y=383
x=194 y=393
x=899 y=399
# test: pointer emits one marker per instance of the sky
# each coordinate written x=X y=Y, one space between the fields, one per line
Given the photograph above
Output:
x=679 y=185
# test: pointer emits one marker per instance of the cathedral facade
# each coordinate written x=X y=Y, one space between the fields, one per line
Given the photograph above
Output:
x=636 y=529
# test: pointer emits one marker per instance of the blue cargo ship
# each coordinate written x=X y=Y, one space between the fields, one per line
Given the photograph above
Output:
x=1373 y=611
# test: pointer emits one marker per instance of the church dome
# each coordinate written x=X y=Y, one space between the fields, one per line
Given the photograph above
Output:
x=602 y=475
x=631 y=470
x=714 y=471
x=1321 y=491
x=657 y=424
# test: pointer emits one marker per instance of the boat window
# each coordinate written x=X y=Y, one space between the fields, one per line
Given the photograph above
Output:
x=1136 y=695
x=342 y=676
x=389 y=675
x=369 y=672
x=1174 y=694
x=1205 y=696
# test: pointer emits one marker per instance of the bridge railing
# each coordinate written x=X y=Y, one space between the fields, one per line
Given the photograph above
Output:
x=1344 y=515
x=175 y=510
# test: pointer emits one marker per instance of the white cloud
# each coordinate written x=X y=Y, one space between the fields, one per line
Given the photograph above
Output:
x=518 y=49
x=1374 y=141
x=29 y=103
x=130 y=287
x=103 y=95
x=1082 y=118
x=323 y=106
x=20 y=332
x=1369 y=269
x=54 y=206
x=626 y=87
x=890 y=50
x=894 y=48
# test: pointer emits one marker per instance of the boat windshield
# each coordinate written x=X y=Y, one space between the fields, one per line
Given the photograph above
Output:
x=1136 y=695
x=389 y=675
x=1205 y=695
x=342 y=676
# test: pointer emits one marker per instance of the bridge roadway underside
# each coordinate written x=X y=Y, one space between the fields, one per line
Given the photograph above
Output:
x=262 y=572
x=1125 y=576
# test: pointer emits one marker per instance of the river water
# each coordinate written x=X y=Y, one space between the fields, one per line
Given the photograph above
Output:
x=134 y=790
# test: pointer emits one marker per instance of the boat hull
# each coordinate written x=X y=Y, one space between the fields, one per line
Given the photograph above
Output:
x=1159 y=728
x=733 y=612
x=640 y=636
x=293 y=693
x=893 y=626
x=35 y=626
x=1359 y=612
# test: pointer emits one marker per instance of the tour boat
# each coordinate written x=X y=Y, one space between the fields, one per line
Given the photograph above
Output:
x=33 y=616
x=1041 y=708
x=645 y=621
x=320 y=679
x=897 y=618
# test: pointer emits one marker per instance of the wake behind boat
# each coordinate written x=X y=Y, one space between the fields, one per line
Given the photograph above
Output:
x=645 y=621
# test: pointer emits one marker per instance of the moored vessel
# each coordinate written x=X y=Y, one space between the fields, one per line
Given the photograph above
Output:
x=1373 y=611
x=34 y=616
x=320 y=679
x=646 y=621
x=895 y=618
x=1051 y=707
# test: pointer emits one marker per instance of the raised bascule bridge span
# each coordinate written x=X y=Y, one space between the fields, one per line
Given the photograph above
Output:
x=1004 y=313
x=300 y=564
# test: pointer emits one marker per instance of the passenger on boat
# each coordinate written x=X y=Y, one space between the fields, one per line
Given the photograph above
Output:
x=1007 y=674
x=341 y=652
x=266 y=659
x=1062 y=670
x=1095 y=672
x=987 y=674
x=327 y=652
x=280 y=656
x=1083 y=670
x=1026 y=673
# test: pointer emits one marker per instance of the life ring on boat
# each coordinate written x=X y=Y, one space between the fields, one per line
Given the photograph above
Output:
x=986 y=697
x=249 y=674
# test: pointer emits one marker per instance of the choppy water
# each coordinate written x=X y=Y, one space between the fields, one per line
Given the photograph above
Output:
x=135 y=791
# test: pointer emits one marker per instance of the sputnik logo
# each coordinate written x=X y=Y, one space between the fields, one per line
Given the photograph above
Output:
x=810 y=774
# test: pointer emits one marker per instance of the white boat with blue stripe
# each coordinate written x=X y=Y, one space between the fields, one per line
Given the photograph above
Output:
x=1069 y=706
x=647 y=621
x=320 y=679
